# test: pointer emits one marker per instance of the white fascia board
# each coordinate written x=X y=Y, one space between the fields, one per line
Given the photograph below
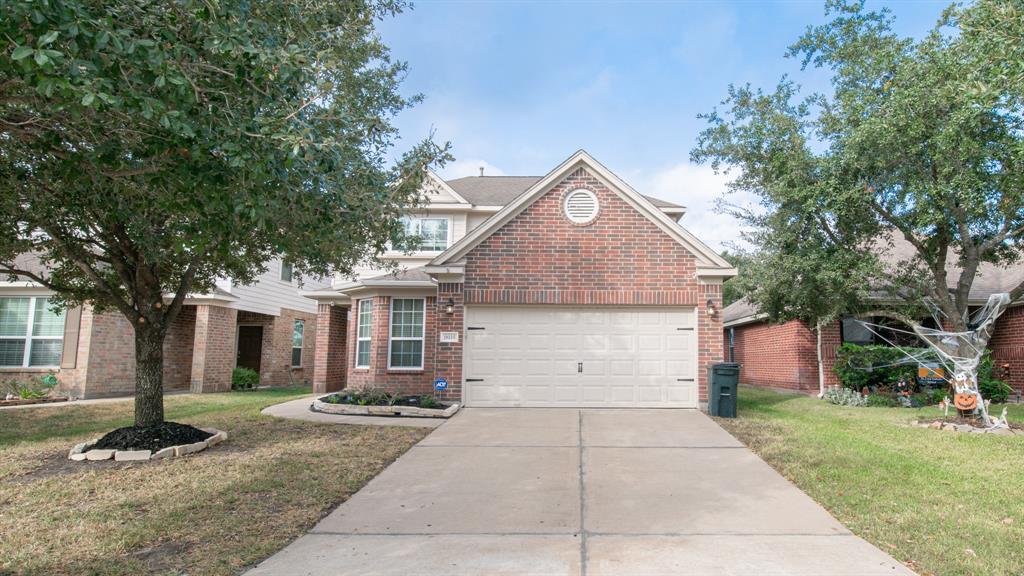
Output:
x=704 y=253
x=716 y=272
x=745 y=320
x=328 y=296
x=453 y=268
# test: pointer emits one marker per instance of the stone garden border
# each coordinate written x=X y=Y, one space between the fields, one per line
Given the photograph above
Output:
x=355 y=410
x=954 y=427
x=82 y=452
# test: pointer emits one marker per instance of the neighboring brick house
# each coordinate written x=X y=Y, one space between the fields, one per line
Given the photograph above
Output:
x=570 y=289
x=267 y=326
x=784 y=356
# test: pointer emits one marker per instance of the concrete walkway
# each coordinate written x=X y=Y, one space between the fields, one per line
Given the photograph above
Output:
x=299 y=410
x=579 y=492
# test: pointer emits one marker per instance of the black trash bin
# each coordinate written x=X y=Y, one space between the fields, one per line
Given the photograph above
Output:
x=723 y=380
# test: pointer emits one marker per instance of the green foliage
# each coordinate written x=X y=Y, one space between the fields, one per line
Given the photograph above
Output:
x=844 y=397
x=34 y=388
x=364 y=397
x=991 y=388
x=149 y=148
x=858 y=366
x=881 y=400
x=916 y=140
x=244 y=379
x=427 y=401
x=732 y=290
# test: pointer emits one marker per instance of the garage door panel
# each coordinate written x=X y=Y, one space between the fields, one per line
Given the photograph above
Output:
x=531 y=356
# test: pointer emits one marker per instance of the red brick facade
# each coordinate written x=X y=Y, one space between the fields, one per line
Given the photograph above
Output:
x=401 y=381
x=539 y=257
x=783 y=356
x=330 y=348
x=1007 y=345
x=199 y=352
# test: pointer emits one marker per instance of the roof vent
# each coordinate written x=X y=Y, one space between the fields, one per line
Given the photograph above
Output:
x=581 y=206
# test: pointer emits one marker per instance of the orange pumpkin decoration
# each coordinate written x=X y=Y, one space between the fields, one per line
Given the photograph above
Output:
x=965 y=401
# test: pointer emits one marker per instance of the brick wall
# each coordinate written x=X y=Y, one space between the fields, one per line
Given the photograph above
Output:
x=783 y=355
x=329 y=365
x=1007 y=345
x=378 y=375
x=213 y=356
x=276 y=347
x=621 y=258
x=448 y=355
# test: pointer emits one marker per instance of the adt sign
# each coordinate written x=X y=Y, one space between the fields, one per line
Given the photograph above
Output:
x=441 y=384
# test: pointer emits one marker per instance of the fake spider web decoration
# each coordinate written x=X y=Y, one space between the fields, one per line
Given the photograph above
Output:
x=959 y=352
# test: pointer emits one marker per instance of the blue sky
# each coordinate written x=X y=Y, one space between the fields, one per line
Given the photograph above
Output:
x=517 y=87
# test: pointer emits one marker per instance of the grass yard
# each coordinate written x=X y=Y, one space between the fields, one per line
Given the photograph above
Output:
x=210 y=513
x=943 y=503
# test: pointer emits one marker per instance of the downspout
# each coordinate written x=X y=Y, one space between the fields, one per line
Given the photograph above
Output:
x=821 y=364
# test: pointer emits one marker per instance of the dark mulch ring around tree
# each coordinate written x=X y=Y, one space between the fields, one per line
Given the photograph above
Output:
x=151 y=438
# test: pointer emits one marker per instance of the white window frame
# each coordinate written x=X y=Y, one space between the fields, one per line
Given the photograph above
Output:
x=29 y=339
x=291 y=272
x=422 y=337
x=418 y=220
x=302 y=342
x=369 y=335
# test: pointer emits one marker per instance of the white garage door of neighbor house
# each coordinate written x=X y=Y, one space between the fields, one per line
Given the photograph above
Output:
x=580 y=357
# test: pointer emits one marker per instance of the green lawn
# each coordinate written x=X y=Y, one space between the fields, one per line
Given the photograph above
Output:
x=942 y=502
x=215 y=512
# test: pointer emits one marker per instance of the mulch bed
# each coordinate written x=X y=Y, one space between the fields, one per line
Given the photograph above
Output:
x=353 y=400
x=152 y=438
x=28 y=401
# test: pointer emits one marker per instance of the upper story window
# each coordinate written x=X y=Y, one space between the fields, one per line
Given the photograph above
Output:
x=286 y=272
x=31 y=335
x=433 y=232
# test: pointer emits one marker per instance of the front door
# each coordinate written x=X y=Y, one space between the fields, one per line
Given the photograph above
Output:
x=250 y=347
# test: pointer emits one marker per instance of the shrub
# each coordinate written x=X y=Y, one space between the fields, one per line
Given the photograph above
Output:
x=844 y=397
x=879 y=400
x=873 y=366
x=991 y=388
x=32 y=389
x=244 y=379
x=429 y=402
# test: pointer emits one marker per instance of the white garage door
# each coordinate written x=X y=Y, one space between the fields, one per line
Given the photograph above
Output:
x=581 y=357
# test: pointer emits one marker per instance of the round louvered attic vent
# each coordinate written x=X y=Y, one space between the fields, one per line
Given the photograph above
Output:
x=581 y=206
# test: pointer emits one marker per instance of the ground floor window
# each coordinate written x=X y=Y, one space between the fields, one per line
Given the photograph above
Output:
x=363 y=333
x=297 y=335
x=405 y=350
x=31 y=335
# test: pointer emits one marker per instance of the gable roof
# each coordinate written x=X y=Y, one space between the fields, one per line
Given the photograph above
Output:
x=500 y=190
x=709 y=263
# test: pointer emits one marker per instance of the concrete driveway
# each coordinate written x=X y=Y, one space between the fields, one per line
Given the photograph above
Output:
x=579 y=492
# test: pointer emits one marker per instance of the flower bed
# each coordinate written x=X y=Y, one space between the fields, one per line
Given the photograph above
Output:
x=382 y=404
x=28 y=401
x=134 y=444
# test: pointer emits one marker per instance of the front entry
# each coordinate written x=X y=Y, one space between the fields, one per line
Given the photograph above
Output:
x=250 y=347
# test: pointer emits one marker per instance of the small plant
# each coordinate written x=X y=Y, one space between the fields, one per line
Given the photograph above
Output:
x=34 y=388
x=244 y=379
x=427 y=401
x=844 y=397
x=881 y=400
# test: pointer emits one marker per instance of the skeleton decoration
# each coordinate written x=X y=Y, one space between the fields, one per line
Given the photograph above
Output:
x=959 y=352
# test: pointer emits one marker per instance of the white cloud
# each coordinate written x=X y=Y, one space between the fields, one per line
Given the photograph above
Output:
x=470 y=167
x=699 y=189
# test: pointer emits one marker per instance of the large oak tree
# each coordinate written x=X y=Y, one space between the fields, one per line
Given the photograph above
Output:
x=918 y=142
x=148 y=148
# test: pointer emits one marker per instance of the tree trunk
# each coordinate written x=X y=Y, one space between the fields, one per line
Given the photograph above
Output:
x=149 y=377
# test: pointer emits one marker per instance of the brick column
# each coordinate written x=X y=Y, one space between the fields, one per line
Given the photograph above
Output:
x=331 y=348
x=213 y=354
x=448 y=355
x=709 y=336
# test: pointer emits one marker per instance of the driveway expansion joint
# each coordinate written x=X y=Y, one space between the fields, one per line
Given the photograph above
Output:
x=583 y=502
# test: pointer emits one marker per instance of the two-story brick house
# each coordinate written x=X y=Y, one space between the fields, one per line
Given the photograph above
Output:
x=570 y=289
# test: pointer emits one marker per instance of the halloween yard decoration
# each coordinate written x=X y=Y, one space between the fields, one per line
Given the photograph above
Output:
x=960 y=353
